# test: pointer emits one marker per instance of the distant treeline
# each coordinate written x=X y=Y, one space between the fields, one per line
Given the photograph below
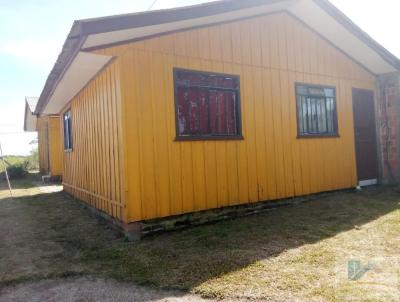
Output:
x=19 y=166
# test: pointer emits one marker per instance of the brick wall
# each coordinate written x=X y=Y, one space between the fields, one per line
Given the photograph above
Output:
x=388 y=121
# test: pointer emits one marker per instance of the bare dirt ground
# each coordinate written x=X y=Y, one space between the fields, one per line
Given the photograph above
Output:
x=28 y=257
x=52 y=249
x=88 y=290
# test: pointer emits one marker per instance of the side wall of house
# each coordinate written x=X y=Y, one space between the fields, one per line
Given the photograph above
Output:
x=43 y=146
x=49 y=144
x=55 y=146
x=270 y=54
x=93 y=169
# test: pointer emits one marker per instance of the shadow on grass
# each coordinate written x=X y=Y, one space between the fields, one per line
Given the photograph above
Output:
x=188 y=258
x=23 y=183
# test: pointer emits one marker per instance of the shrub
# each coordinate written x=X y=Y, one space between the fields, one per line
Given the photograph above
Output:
x=33 y=160
x=18 y=170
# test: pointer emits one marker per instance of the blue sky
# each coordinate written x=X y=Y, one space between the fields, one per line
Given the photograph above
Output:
x=32 y=33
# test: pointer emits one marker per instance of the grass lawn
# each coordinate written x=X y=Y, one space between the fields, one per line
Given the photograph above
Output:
x=297 y=253
x=12 y=160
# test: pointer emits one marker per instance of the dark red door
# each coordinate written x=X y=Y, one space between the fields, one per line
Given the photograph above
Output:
x=365 y=135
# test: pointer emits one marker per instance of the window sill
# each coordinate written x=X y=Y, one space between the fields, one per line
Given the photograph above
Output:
x=318 y=136
x=208 y=138
x=68 y=150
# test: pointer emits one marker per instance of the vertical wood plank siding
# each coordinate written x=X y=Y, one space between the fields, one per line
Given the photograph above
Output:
x=50 y=147
x=55 y=137
x=164 y=177
x=93 y=170
x=43 y=144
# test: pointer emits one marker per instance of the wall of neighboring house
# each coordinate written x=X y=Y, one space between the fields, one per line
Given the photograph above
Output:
x=43 y=145
x=93 y=168
x=389 y=126
x=49 y=144
x=55 y=137
x=270 y=54
x=50 y=151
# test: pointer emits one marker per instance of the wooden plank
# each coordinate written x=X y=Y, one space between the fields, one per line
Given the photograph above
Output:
x=243 y=177
x=232 y=159
x=174 y=150
x=149 y=202
x=164 y=177
x=255 y=41
x=278 y=126
x=272 y=24
x=295 y=146
x=264 y=31
x=290 y=42
x=245 y=43
x=286 y=133
x=133 y=131
x=282 y=47
x=160 y=136
x=198 y=162
x=221 y=162
x=247 y=84
x=270 y=164
x=215 y=43
x=260 y=136
x=186 y=160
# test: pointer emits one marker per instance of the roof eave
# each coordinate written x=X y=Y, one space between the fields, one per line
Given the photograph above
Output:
x=81 y=29
x=358 y=32
x=71 y=47
x=156 y=17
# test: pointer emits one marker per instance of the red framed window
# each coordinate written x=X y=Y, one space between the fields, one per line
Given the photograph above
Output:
x=207 y=105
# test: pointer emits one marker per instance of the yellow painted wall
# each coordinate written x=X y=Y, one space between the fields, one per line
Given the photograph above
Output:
x=43 y=145
x=270 y=53
x=93 y=170
x=50 y=145
x=56 y=146
x=127 y=163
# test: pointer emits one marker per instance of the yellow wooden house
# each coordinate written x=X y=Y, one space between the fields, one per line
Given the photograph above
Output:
x=228 y=103
x=49 y=139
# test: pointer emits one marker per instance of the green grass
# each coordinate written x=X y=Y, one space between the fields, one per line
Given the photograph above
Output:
x=288 y=253
x=15 y=159
x=31 y=161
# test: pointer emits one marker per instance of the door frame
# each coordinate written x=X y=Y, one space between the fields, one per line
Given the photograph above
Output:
x=378 y=179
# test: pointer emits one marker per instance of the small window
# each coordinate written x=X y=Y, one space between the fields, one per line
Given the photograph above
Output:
x=67 y=130
x=207 y=105
x=316 y=111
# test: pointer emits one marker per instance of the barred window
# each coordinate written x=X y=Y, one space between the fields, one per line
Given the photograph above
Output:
x=207 y=105
x=316 y=110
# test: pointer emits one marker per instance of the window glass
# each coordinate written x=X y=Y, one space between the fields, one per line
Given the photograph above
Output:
x=207 y=105
x=67 y=130
x=316 y=110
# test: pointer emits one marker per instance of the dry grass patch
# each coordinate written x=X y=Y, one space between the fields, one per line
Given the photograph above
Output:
x=287 y=254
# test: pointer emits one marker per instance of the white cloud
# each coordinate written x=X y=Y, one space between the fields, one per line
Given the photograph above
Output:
x=17 y=143
x=34 y=52
x=12 y=138
x=160 y=4
x=378 y=18
x=12 y=116
x=32 y=34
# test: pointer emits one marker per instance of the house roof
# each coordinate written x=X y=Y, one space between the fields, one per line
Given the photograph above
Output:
x=32 y=102
x=76 y=66
x=30 y=117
